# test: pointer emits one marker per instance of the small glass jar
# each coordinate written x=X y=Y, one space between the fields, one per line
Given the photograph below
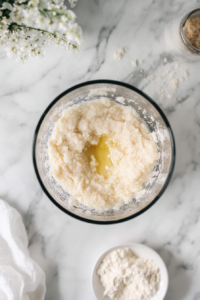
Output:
x=176 y=40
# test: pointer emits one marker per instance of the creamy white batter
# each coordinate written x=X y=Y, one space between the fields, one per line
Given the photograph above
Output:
x=102 y=153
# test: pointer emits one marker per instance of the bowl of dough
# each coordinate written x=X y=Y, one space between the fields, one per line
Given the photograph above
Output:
x=103 y=152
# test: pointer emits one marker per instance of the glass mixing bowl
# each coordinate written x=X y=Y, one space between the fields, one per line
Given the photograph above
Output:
x=149 y=113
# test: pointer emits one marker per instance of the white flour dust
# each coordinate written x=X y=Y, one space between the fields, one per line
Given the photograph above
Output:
x=125 y=276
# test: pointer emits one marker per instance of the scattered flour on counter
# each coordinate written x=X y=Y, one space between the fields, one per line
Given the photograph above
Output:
x=166 y=80
x=137 y=62
x=134 y=62
x=175 y=83
x=125 y=276
x=118 y=55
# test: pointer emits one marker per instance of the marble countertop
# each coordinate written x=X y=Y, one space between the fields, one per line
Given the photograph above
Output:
x=66 y=248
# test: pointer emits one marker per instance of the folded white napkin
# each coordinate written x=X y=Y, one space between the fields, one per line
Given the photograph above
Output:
x=20 y=276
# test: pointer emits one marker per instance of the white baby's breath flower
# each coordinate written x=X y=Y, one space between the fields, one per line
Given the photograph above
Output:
x=72 y=3
x=27 y=27
x=6 y=5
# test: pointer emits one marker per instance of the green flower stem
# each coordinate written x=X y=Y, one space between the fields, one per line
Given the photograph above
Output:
x=12 y=26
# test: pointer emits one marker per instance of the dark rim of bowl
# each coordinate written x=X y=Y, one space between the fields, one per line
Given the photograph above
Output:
x=164 y=119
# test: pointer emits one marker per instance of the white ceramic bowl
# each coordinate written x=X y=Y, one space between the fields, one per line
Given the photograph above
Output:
x=140 y=251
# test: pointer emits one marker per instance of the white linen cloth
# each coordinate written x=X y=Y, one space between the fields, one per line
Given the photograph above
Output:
x=20 y=276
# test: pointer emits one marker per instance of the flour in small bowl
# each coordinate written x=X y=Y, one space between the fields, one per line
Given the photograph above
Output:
x=125 y=276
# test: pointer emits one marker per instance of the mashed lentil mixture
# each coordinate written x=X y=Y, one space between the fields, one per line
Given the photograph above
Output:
x=101 y=153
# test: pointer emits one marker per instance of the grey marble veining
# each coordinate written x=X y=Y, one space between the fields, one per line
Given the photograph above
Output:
x=66 y=248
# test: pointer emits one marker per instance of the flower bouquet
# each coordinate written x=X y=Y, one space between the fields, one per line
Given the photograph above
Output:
x=27 y=26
